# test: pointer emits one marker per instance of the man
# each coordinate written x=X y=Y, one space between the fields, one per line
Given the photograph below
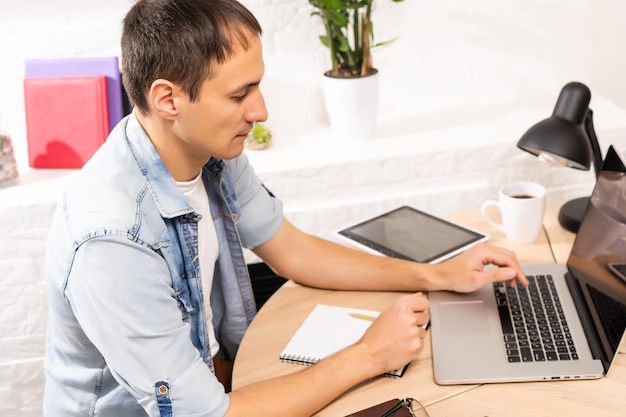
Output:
x=148 y=289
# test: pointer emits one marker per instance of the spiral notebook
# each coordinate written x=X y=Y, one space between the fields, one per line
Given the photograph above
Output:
x=326 y=331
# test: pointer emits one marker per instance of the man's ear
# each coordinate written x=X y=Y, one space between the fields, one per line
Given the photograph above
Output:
x=162 y=98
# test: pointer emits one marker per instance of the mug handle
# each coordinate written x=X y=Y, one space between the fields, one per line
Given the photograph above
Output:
x=483 y=210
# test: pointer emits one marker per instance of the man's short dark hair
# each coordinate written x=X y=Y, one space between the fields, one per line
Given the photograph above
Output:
x=179 y=40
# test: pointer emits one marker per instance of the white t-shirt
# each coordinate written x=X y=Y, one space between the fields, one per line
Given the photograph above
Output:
x=208 y=247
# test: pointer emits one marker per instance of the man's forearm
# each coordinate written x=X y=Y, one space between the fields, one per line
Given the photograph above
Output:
x=321 y=263
x=305 y=392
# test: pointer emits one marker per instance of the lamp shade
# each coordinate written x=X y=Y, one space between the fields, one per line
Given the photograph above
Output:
x=562 y=138
x=567 y=138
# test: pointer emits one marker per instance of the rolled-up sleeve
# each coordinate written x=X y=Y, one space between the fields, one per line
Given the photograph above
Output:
x=122 y=296
x=261 y=212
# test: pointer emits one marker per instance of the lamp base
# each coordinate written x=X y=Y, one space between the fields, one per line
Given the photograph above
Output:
x=572 y=212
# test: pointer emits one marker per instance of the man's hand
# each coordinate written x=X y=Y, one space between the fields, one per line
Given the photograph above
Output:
x=397 y=335
x=466 y=272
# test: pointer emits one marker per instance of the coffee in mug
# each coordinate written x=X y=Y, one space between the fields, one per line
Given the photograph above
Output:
x=521 y=205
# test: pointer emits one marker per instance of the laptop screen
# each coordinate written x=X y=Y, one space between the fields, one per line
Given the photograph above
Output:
x=597 y=261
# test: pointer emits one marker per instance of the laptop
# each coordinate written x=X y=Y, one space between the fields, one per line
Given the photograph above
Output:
x=503 y=334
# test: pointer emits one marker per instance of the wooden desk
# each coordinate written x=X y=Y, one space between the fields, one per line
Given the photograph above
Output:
x=279 y=318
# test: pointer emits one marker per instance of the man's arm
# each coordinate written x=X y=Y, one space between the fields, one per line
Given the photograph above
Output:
x=305 y=392
x=317 y=262
x=121 y=294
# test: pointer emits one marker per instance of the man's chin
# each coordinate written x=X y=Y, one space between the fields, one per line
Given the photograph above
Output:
x=233 y=151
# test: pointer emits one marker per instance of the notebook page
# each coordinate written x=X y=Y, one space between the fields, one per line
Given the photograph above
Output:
x=325 y=331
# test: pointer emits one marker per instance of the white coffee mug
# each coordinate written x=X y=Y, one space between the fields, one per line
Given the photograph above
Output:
x=521 y=206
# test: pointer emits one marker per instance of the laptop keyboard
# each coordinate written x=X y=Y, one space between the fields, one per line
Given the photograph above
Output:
x=533 y=323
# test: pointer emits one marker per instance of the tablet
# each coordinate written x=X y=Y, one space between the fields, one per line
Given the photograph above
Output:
x=411 y=234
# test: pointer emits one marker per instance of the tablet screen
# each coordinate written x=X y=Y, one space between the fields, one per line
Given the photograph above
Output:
x=411 y=234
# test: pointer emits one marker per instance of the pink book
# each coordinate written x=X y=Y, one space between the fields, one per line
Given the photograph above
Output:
x=85 y=66
x=67 y=119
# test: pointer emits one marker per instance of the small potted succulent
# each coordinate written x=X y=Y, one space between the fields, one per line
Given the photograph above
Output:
x=259 y=137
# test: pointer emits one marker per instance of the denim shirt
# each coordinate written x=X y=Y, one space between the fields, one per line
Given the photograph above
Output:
x=126 y=334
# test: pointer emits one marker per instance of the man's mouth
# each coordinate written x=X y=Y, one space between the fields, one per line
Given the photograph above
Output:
x=245 y=133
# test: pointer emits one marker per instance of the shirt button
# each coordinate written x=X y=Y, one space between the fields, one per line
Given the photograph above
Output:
x=234 y=217
x=163 y=390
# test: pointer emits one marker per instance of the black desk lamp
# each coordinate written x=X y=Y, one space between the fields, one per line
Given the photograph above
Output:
x=567 y=138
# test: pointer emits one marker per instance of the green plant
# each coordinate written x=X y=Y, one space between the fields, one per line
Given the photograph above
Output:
x=259 y=137
x=349 y=35
x=260 y=133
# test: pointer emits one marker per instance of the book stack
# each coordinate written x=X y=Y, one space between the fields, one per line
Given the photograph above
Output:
x=71 y=106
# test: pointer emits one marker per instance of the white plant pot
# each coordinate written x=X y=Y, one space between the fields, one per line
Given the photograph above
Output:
x=352 y=106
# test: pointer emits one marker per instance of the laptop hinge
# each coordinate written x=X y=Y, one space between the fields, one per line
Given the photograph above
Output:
x=585 y=319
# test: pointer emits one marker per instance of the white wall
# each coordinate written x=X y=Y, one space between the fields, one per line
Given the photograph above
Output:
x=452 y=63
x=460 y=84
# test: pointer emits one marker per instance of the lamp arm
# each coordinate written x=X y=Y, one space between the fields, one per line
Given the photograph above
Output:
x=595 y=146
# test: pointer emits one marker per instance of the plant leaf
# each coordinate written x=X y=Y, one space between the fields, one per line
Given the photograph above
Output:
x=331 y=4
x=342 y=44
x=337 y=18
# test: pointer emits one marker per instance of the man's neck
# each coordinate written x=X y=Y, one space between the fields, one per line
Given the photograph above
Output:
x=170 y=148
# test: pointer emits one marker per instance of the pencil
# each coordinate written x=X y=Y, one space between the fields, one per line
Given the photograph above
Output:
x=362 y=316
x=372 y=318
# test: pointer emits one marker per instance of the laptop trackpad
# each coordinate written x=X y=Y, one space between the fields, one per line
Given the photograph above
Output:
x=464 y=317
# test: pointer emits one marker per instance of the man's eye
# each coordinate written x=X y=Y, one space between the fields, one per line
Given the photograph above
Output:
x=241 y=97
